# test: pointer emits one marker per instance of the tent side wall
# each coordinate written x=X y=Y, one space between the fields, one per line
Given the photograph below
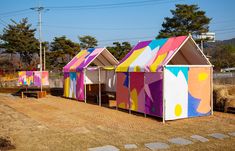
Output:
x=140 y=92
x=187 y=91
x=74 y=85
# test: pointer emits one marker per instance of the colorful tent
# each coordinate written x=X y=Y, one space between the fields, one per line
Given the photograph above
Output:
x=168 y=78
x=78 y=73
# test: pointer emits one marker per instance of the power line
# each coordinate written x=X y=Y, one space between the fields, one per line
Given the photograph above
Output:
x=98 y=6
x=14 y=12
x=114 y=5
x=225 y=32
x=223 y=21
x=225 y=29
x=3 y=23
x=124 y=39
x=10 y=15
x=103 y=28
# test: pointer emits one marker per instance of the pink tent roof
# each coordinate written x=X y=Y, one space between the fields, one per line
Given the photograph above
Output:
x=99 y=56
x=150 y=55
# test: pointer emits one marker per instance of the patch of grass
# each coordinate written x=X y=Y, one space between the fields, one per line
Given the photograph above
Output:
x=5 y=144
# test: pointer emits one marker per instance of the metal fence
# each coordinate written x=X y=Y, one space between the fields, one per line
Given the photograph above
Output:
x=224 y=78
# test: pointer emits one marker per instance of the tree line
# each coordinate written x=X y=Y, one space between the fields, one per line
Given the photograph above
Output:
x=18 y=40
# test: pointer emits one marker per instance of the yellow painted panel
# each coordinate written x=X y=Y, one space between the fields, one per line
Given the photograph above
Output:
x=123 y=67
x=134 y=100
x=66 y=86
x=157 y=62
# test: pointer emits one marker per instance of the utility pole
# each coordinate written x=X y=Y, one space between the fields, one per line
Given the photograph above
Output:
x=44 y=59
x=39 y=10
x=202 y=45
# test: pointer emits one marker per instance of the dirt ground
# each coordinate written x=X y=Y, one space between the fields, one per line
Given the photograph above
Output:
x=55 y=123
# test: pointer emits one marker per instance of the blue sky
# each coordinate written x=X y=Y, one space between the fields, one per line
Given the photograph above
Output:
x=127 y=23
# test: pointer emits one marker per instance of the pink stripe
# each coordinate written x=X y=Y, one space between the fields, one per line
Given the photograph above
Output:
x=171 y=45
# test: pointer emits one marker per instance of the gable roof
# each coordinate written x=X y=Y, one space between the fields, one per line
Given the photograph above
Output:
x=150 y=56
x=99 y=56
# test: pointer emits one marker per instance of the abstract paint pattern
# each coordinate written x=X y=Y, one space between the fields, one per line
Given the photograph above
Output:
x=80 y=86
x=82 y=59
x=66 y=84
x=37 y=78
x=32 y=78
x=187 y=92
x=147 y=84
x=176 y=92
x=29 y=77
x=149 y=56
x=137 y=98
x=73 y=85
x=153 y=94
x=22 y=80
x=199 y=91
x=122 y=94
x=72 y=88
x=74 y=76
x=164 y=54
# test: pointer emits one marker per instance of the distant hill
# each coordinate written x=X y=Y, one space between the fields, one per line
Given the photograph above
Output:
x=230 y=41
x=211 y=45
x=219 y=42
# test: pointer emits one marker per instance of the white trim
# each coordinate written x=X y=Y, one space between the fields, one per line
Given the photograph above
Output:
x=117 y=62
x=176 y=51
x=84 y=84
x=129 y=87
x=187 y=66
x=189 y=37
x=200 y=50
x=163 y=95
x=144 y=95
x=211 y=90
x=94 y=57
x=116 y=89
x=98 y=55
x=99 y=87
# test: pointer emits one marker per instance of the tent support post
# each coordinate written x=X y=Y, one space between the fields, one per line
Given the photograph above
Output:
x=85 y=85
x=144 y=97
x=163 y=97
x=129 y=81
x=99 y=87
x=212 y=112
x=115 y=74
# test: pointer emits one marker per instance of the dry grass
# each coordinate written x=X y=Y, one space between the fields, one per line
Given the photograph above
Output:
x=224 y=97
x=55 y=123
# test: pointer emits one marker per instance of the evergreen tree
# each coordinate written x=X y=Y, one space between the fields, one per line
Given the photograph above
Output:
x=186 y=19
x=20 y=38
x=62 y=51
x=87 y=42
x=119 y=50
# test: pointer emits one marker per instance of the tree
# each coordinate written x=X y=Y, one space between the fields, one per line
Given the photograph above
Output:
x=20 y=38
x=87 y=42
x=119 y=50
x=223 y=56
x=186 y=19
x=62 y=51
